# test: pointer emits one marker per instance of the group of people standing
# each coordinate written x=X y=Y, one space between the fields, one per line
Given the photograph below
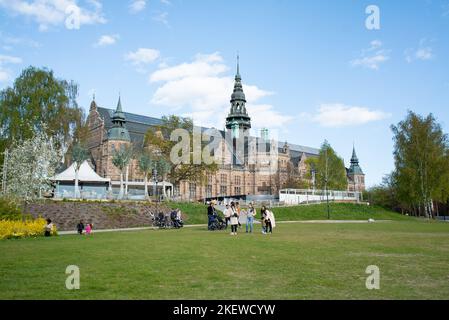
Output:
x=87 y=229
x=233 y=212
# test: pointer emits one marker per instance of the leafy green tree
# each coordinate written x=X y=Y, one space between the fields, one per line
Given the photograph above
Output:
x=121 y=159
x=37 y=102
x=163 y=168
x=421 y=162
x=384 y=194
x=329 y=168
x=79 y=155
x=158 y=138
x=146 y=167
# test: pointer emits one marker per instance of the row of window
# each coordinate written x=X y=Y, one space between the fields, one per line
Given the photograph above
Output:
x=223 y=190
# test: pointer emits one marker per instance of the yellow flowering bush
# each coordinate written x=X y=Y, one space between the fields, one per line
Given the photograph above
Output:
x=22 y=229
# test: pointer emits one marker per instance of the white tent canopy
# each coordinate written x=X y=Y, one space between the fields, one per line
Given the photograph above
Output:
x=85 y=174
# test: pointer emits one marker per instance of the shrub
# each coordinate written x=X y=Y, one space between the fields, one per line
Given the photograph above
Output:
x=10 y=209
x=13 y=229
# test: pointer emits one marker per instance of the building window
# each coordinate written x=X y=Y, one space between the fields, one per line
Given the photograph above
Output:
x=237 y=191
x=224 y=179
x=237 y=180
x=208 y=191
x=176 y=191
x=192 y=190
x=223 y=190
x=112 y=148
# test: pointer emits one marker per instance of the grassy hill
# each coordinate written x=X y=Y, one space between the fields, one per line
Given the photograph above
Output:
x=197 y=213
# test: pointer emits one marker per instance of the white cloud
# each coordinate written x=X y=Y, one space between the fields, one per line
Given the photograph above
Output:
x=4 y=76
x=5 y=73
x=202 y=66
x=423 y=52
x=137 y=6
x=47 y=13
x=337 y=115
x=142 y=56
x=372 y=57
x=9 y=60
x=162 y=18
x=201 y=89
x=107 y=40
x=167 y=2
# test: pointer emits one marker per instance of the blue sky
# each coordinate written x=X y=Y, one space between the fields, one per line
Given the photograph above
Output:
x=312 y=70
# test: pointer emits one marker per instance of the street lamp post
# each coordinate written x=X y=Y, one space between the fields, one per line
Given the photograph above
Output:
x=155 y=183
x=326 y=180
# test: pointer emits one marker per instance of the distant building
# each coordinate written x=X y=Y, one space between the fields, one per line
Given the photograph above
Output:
x=236 y=177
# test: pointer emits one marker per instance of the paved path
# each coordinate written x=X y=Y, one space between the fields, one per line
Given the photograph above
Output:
x=64 y=233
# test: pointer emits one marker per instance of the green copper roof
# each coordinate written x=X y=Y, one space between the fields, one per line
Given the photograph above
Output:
x=355 y=168
x=238 y=113
x=119 y=130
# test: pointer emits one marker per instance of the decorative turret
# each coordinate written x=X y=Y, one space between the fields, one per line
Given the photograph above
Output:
x=118 y=130
x=238 y=117
x=93 y=104
x=355 y=169
x=356 y=177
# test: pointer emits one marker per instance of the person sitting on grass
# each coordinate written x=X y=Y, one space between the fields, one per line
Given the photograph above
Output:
x=80 y=227
x=48 y=228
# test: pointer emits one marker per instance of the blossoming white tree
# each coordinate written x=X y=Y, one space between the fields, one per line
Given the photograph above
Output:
x=31 y=165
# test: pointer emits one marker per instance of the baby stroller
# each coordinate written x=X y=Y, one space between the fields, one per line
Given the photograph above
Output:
x=161 y=221
x=177 y=223
x=217 y=223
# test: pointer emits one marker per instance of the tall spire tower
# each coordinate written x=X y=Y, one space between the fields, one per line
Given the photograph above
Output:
x=119 y=130
x=238 y=116
x=355 y=174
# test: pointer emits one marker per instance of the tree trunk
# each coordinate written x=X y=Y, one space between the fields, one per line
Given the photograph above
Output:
x=146 y=186
x=163 y=189
x=126 y=181
x=120 y=195
x=76 y=183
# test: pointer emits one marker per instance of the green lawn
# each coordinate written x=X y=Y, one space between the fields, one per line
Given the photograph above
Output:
x=299 y=261
x=197 y=213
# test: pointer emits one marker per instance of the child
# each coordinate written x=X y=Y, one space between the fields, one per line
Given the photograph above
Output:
x=48 y=228
x=89 y=228
x=80 y=227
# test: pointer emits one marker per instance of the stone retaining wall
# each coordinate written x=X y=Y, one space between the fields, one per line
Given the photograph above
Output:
x=103 y=215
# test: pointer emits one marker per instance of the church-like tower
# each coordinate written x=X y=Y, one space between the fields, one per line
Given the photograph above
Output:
x=238 y=116
x=356 y=177
x=238 y=122
x=119 y=132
